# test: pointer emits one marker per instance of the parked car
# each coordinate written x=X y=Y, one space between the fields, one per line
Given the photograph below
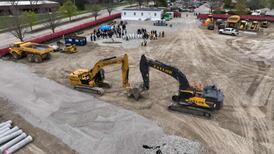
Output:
x=229 y=31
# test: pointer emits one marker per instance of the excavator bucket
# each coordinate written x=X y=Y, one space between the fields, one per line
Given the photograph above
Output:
x=135 y=92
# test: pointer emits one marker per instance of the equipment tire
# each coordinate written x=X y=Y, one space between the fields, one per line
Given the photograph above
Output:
x=37 y=58
x=30 y=57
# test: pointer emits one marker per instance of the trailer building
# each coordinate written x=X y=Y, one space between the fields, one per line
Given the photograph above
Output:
x=142 y=14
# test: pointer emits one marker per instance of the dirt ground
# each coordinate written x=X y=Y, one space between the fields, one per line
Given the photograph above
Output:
x=43 y=142
x=244 y=125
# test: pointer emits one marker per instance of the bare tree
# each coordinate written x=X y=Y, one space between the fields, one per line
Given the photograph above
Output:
x=109 y=6
x=52 y=21
x=17 y=22
x=95 y=11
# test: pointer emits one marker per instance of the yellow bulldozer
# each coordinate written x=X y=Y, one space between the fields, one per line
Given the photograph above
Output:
x=93 y=80
x=33 y=51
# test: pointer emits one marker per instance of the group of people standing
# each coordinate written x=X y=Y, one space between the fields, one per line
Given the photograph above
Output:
x=119 y=31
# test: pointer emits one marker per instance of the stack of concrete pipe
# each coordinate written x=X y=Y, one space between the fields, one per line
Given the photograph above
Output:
x=12 y=138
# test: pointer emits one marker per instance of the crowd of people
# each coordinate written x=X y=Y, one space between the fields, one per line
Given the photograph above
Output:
x=118 y=30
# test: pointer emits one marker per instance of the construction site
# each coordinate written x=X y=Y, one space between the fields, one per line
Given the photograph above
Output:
x=185 y=89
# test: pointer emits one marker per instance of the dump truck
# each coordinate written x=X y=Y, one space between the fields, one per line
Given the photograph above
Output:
x=33 y=51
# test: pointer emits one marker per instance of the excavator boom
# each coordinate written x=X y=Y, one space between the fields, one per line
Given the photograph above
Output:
x=146 y=63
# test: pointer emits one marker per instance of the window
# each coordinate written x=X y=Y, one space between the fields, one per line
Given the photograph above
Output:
x=155 y=14
x=125 y=13
x=134 y=13
x=142 y=14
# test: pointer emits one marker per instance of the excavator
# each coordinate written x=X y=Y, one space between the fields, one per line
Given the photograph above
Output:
x=190 y=99
x=93 y=80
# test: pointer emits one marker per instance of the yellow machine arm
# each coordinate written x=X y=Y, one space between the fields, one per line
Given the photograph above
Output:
x=113 y=60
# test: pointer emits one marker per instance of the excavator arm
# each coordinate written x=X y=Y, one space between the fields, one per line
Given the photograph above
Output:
x=145 y=63
x=97 y=71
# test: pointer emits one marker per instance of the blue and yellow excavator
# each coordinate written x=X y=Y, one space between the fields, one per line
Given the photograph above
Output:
x=198 y=101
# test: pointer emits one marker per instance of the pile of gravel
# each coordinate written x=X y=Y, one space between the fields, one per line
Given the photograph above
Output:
x=173 y=145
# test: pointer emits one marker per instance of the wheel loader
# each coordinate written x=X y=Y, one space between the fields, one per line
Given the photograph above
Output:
x=93 y=80
x=33 y=51
x=197 y=100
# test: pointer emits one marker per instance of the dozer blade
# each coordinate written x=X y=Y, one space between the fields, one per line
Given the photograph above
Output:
x=190 y=110
x=94 y=90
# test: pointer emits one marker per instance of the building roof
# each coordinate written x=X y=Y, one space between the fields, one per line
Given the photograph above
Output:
x=142 y=9
x=9 y=3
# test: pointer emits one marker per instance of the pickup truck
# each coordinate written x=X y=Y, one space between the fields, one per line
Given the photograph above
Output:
x=229 y=31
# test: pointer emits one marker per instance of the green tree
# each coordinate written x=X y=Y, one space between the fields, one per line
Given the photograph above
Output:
x=162 y=3
x=227 y=3
x=68 y=9
x=80 y=4
x=241 y=7
x=254 y=4
x=30 y=18
x=271 y=4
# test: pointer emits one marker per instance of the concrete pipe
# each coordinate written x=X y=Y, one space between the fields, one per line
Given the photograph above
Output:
x=4 y=130
x=12 y=142
x=3 y=123
x=19 y=145
x=10 y=136
x=9 y=131
x=5 y=126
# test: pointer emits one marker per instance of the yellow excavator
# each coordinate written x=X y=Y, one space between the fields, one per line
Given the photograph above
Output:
x=93 y=80
x=196 y=100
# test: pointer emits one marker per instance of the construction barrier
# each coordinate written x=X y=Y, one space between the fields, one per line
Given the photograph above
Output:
x=243 y=17
x=58 y=34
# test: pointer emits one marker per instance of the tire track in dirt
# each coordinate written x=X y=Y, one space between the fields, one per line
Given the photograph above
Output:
x=261 y=125
x=214 y=140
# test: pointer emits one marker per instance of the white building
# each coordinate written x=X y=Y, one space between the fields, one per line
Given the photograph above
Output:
x=142 y=14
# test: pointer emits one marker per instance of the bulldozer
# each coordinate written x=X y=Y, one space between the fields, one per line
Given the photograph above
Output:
x=93 y=80
x=196 y=100
x=33 y=51
x=70 y=49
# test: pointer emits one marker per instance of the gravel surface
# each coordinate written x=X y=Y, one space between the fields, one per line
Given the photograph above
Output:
x=175 y=145
x=81 y=121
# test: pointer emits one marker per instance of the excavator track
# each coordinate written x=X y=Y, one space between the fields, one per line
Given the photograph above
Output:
x=104 y=84
x=190 y=110
x=94 y=90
